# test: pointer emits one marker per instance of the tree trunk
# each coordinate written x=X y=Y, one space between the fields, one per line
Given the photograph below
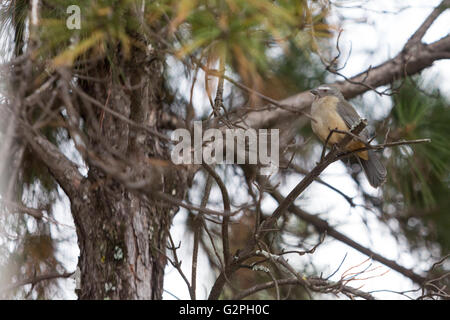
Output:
x=121 y=234
x=122 y=243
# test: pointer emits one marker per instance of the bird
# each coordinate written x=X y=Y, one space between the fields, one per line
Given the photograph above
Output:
x=330 y=111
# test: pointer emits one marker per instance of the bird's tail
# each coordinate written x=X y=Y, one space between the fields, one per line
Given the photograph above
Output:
x=374 y=169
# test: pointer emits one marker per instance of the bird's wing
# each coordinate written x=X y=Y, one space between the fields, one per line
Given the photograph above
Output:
x=350 y=116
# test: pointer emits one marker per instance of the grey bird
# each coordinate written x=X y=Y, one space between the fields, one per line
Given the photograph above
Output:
x=331 y=111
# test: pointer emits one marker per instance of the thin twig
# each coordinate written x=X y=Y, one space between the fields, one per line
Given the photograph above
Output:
x=226 y=208
x=197 y=234
x=37 y=279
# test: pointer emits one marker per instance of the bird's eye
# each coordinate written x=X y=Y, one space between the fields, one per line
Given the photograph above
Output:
x=324 y=89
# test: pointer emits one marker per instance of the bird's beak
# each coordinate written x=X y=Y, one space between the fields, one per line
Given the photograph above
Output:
x=314 y=92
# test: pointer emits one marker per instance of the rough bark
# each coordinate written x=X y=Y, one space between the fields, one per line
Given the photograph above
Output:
x=121 y=238
x=122 y=235
x=122 y=243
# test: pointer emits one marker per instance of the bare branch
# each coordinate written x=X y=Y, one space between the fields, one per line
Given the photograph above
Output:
x=227 y=210
x=409 y=61
x=322 y=226
x=177 y=202
x=37 y=279
x=309 y=178
x=419 y=34
x=176 y=263
x=35 y=213
x=384 y=146
x=268 y=223
x=315 y=284
x=198 y=223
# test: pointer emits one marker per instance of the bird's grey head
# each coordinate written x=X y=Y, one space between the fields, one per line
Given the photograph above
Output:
x=326 y=90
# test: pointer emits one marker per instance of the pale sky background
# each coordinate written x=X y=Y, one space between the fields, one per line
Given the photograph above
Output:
x=384 y=35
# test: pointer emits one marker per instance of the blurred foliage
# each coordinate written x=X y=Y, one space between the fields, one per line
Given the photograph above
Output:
x=419 y=175
x=13 y=15
x=29 y=249
x=291 y=71
x=240 y=31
